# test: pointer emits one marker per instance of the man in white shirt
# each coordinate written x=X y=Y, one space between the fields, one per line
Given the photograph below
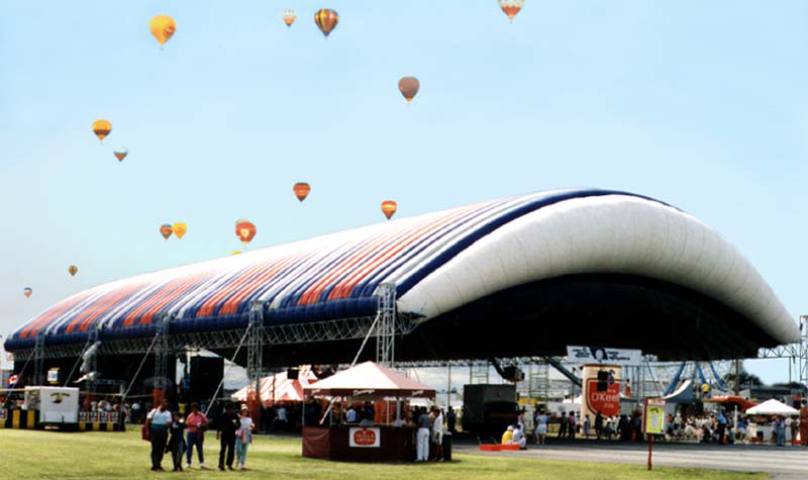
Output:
x=351 y=416
x=158 y=421
x=437 y=432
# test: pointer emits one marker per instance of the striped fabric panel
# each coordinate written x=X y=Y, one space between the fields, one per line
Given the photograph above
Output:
x=52 y=314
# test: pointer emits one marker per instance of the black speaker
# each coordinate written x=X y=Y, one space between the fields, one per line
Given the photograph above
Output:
x=292 y=373
x=206 y=374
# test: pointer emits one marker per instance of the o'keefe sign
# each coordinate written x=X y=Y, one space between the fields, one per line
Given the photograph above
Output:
x=364 y=437
x=608 y=402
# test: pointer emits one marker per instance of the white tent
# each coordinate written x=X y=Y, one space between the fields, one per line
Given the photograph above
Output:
x=773 y=407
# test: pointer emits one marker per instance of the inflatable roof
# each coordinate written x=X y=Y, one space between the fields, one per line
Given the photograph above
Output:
x=438 y=262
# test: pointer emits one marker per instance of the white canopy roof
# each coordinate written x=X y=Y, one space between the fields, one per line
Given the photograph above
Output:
x=772 y=407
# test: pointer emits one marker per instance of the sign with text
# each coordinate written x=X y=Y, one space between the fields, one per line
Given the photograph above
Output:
x=612 y=356
x=606 y=402
x=654 y=416
x=359 y=437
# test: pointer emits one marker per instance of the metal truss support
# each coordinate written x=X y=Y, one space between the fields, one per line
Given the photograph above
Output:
x=92 y=362
x=386 y=326
x=162 y=350
x=796 y=353
x=255 y=347
x=479 y=372
x=39 y=360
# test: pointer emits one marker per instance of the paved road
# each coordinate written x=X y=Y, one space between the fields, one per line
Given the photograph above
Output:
x=786 y=463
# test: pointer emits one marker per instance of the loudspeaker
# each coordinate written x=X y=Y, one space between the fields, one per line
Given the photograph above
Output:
x=292 y=373
x=206 y=373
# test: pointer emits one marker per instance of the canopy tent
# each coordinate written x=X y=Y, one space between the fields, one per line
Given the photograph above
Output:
x=372 y=380
x=773 y=407
x=279 y=388
x=683 y=394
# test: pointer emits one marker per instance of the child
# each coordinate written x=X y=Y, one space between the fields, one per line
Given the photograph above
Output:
x=243 y=437
x=176 y=445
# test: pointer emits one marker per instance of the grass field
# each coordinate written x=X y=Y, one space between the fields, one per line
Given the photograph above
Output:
x=34 y=454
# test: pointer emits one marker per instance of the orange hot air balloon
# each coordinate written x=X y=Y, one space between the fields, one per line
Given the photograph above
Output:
x=166 y=230
x=326 y=19
x=72 y=270
x=120 y=153
x=101 y=128
x=301 y=190
x=389 y=208
x=27 y=292
x=179 y=229
x=511 y=7
x=289 y=17
x=409 y=87
x=245 y=231
x=163 y=28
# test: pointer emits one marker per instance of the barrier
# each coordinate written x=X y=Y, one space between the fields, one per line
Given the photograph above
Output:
x=100 y=422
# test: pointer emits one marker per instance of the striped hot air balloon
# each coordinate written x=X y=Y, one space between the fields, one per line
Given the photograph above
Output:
x=289 y=17
x=245 y=231
x=166 y=230
x=511 y=7
x=326 y=20
x=101 y=128
x=389 y=208
x=301 y=190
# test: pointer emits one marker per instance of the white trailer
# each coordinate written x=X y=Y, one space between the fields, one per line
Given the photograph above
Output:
x=58 y=406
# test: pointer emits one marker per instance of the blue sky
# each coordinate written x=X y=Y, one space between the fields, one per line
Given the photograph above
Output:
x=700 y=104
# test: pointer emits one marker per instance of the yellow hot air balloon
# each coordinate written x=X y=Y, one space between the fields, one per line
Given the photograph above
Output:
x=389 y=208
x=72 y=270
x=235 y=252
x=163 y=28
x=101 y=128
x=179 y=229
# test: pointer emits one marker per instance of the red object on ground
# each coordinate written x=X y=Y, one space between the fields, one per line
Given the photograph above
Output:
x=498 y=447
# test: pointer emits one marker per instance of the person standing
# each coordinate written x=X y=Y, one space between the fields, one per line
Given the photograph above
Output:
x=226 y=434
x=573 y=427
x=158 y=421
x=587 y=426
x=451 y=420
x=563 y=425
x=780 y=431
x=541 y=428
x=437 y=433
x=804 y=423
x=422 y=436
x=176 y=442
x=196 y=423
x=598 y=425
x=243 y=437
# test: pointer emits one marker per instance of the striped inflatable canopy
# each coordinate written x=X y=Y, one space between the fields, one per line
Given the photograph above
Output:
x=436 y=261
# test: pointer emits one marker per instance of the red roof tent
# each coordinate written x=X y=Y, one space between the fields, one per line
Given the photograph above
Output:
x=369 y=379
x=743 y=403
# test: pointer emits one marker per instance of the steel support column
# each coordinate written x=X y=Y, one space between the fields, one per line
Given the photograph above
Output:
x=386 y=326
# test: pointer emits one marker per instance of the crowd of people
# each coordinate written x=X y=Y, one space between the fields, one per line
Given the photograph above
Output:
x=171 y=433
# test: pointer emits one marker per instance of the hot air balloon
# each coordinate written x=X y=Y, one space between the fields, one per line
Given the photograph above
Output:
x=235 y=252
x=245 y=231
x=27 y=292
x=289 y=17
x=409 y=87
x=120 y=153
x=179 y=229
x=166 y=230
x=511 y=7
x=326 y=19
x=72 y=270
x=389 y=208
x=101 y=128
x=301 y=190
x=163 y=28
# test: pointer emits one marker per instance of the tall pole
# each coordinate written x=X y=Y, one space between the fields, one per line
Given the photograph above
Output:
x=449 y=389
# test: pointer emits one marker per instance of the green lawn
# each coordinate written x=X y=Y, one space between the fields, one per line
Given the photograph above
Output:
x=33 y=454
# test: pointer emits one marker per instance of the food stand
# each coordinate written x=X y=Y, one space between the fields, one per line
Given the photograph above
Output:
x=385 y=438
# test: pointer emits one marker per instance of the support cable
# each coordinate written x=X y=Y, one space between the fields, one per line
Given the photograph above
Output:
x=232 y=360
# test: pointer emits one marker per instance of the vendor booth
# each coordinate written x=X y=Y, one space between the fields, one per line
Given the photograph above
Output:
x=379 y=432
x=761 y=418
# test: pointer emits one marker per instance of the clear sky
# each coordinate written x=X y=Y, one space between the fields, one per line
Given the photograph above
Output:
x=700 y=104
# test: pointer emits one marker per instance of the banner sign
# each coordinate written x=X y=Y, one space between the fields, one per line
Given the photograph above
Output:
x=612 y=356
x=606 y=402
x=364 y=437
x=53 y=375
x=654 y=416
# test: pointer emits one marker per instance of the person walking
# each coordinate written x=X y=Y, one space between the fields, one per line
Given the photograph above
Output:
x=195 y=424
x=226 y=434
x=158 y=421
x=176 y=443
x=422 y=436
x=243 y=437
